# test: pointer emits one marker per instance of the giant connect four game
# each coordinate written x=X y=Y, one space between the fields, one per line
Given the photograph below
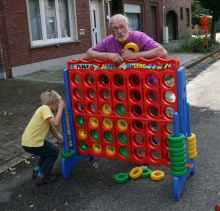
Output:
x=136 y=111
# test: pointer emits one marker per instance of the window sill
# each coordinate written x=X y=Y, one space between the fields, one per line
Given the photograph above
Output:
x=53 y=44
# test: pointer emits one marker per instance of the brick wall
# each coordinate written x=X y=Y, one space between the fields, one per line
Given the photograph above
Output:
x=175 y=6
x=15 y=36
x=146 y=16
x=3 y=52
x=169 y=5
x=18 y=38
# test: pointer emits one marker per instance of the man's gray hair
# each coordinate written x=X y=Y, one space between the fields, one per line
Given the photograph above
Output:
x=114 y=17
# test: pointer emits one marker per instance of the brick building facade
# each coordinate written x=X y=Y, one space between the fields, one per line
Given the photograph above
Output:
x=22 y=53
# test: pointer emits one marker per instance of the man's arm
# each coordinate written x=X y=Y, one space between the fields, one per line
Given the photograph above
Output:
x=91 y=54
x=153 y=53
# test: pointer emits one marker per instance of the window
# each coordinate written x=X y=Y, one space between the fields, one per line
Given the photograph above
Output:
x=51 y=21
x=181 y=13
x=187 y=17
x=133 y=13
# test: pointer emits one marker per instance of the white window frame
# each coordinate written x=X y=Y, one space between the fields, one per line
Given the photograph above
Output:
x=108 y=15
x=59 y=40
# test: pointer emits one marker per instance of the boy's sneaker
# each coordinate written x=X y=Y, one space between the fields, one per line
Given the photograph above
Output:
x=145 y=166
x=48 y=178
x=35 y=173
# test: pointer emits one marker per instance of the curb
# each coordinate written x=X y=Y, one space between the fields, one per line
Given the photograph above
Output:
x=19 y=159
x=201 y=59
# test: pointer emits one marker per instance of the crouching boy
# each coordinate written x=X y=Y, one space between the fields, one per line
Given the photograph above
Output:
x=33 y=138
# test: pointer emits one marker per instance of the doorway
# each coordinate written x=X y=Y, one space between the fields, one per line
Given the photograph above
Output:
x=171 y=22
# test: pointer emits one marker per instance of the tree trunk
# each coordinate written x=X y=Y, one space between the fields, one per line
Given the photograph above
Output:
x=213 y=29
x=117 y=7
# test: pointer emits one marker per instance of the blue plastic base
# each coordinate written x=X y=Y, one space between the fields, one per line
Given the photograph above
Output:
x=178 y=182
x=67 y=164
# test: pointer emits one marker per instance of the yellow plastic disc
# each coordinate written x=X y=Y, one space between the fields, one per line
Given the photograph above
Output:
x=110 y=150
x=191 y=152
x=192 y=137
x=136 y=172
x=122 y=124
x=106 y=109
x=191 y=143
x=94 y=122
x=97 y=148
x=82 y=133
x=191 y=147
x=107 y=123
x=132 y=46
x=157 y=175
x=193 y=155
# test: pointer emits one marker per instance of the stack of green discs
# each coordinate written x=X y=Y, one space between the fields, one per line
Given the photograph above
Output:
x=177 y=154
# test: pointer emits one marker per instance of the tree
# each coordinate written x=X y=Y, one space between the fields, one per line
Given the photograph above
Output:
x=197 y=9
x=214 y=7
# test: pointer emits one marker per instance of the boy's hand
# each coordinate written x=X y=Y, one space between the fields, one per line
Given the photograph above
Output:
x=62 y=104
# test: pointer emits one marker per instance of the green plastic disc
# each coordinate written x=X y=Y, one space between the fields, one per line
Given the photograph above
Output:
x=178 y=169
x=177 y=149
x=176 y=145
x=178 y=159
x=80 y=120
x=124 y=152
x=121 y=110
x=123 y=138
x=95 y=135
x=67 y=155
x=109 y=136
x=177 y=154
x=83 y=145
x=146 y=172
x=178 y=139
x=178 y=174
x=121 y=177
x=178 y=164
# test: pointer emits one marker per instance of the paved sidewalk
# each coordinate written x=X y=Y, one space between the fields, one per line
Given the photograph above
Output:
x=21 y=97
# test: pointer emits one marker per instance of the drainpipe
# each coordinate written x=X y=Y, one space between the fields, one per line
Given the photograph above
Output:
x=6 y=38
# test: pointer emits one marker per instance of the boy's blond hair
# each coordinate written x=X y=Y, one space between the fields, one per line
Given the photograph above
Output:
x=48 y=97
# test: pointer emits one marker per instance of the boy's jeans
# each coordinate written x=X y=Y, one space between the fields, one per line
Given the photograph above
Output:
x=48 y=154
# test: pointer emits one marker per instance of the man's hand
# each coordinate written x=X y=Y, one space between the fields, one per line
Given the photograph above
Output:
x=129 y=54
x=116 y=58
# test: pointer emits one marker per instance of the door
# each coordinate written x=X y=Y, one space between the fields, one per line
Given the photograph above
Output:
x=94 y=7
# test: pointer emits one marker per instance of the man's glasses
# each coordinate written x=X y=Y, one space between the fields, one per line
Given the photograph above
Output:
x=121 y=27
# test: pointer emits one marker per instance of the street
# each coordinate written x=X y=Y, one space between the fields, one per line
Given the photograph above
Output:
x=91 y=186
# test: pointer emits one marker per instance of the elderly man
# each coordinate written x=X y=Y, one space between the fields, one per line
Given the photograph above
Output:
x=113 y=45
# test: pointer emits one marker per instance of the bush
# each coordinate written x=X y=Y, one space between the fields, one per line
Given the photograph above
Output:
x=193 y=44
x=198 y=45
